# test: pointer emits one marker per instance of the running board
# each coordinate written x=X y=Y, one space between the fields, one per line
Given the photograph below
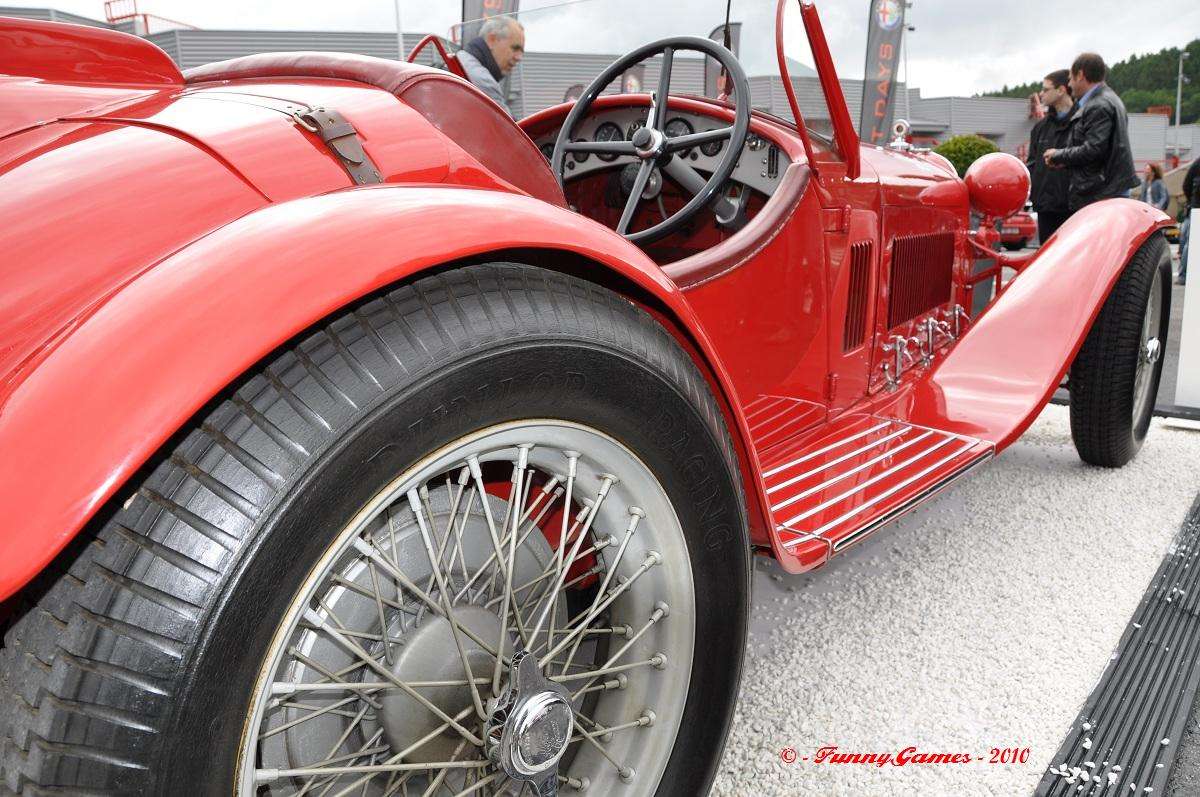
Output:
x=830 y=491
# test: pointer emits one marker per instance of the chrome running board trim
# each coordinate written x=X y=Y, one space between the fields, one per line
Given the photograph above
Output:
x=859 y=488
x=831 y=463
x=779 y=469
x=896 y=487
x=877 y=469
x=830 y=482
x=912 y=503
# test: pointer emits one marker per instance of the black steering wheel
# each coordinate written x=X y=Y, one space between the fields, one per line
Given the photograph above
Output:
x=652 y=145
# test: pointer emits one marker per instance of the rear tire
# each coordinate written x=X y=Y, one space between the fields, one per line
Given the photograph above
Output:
x=1114 y=379
x=136 y=662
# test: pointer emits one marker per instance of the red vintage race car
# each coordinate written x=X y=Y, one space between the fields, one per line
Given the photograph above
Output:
x=352 y=445
x=1018 y=230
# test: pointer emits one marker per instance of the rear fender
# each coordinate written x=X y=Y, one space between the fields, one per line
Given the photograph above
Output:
x=1003 y=371
x=97 y=407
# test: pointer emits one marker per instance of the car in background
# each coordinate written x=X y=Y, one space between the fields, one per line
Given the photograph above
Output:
x=1019 y=229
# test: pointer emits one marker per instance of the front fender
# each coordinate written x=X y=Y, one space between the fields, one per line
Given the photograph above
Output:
x=1003 y=371
x=96 y=408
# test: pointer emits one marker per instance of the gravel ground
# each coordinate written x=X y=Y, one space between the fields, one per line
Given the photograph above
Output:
x=981 y=620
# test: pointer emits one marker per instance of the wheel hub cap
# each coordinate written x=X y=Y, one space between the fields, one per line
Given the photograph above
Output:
x=1152 y=351
x=531 y=725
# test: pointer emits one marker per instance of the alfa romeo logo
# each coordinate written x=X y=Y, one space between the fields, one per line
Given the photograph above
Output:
x=889 y=13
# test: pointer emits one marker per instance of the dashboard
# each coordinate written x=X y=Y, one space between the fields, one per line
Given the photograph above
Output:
x=761 y=165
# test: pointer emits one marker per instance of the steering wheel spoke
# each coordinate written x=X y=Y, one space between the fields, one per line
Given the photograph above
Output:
x=635 y=196
x=693 y=182
x=657 y=117
x=696 y=139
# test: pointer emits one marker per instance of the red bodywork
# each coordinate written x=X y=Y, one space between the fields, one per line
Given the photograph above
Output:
x=163 y=235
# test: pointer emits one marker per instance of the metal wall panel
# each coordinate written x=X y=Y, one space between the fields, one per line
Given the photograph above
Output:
x=1189 y=140
x=50 y=15
x=197 y=47
x=1148 y=138
x=543 y=78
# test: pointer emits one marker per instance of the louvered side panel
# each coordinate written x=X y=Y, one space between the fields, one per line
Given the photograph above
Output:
x=921 y=275
x=856 y=299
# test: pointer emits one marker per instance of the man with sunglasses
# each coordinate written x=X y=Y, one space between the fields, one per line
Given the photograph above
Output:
x=1098 y=157
x=1049 y=187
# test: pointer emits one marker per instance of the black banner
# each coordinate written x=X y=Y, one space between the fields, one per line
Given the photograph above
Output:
x=475 y=11
x=885 y=29
x=712 y=69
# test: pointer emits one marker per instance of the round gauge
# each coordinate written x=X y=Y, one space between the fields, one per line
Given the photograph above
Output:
x=607 y=132
x=634 y=126
x=711 y=148
x=679 y=127
x=580 y=157
x=755 y=143
x=547 y=151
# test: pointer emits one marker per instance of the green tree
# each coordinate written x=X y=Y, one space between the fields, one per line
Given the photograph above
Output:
x=1143 y=81
x=962 y=151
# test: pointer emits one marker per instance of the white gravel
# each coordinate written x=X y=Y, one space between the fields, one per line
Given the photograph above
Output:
x=981 y=620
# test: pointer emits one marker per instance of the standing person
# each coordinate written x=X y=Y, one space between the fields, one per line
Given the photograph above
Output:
x=1154 y=191
x=1098 y=158
x=492 y=54
x=1191 y=190
x=1048 y=187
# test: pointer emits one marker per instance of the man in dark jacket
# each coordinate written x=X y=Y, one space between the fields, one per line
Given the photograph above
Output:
x=1191 y=191
x=492 y=54
x=1098 y=158
x=1048 y=189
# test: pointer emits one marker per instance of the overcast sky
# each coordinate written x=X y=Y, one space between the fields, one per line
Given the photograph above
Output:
x=960 y=47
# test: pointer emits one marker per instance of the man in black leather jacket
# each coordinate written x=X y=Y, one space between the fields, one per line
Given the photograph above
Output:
x=1098 y=158
x=1049 y=187
x=1191 y=190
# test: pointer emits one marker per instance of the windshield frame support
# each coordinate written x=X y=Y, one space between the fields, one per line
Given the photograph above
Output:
x=845 y=137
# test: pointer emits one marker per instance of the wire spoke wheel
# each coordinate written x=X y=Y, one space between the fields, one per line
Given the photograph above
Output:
x=465 y=538
x=393 y=672
x=1149 y=351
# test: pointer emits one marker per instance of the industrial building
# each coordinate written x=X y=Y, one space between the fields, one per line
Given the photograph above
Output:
x=543 y=79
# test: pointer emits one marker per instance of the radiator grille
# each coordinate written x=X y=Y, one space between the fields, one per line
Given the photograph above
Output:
x=921 y=274
x=856 y=296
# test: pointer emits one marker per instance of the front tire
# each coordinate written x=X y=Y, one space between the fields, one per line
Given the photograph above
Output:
x=1114 y=379
x=164 y=629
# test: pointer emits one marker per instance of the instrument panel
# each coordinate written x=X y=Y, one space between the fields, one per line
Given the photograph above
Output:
x=761 y=165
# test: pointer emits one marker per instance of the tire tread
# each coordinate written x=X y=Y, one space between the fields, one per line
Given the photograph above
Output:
x=1102 y=375
x=96 y=651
